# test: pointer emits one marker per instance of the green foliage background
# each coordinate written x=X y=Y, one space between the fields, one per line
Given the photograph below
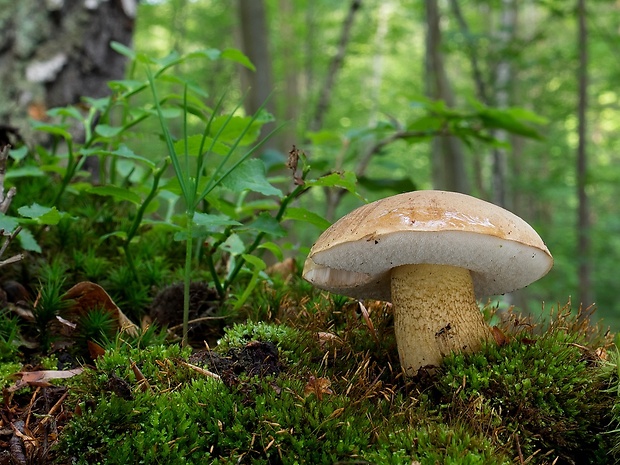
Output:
x=544 y=65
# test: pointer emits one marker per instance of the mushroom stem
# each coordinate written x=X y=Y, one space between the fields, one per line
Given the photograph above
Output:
x=435 y=313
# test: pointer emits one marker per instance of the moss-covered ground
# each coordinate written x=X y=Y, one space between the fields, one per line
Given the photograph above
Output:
x=319 y=382
x=294 y=375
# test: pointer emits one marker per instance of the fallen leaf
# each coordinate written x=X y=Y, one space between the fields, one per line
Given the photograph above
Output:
x=95 y=350
x=42 y=377
x=87 y=296
x=318 y=387
x=500 y=338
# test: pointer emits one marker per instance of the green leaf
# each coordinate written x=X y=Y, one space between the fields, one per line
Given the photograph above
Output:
x=19 y=154
x=23 y=172
x=105 y=130
x=193 y=146
x=266 y=223
x=163 y=225
x=250 y=175
x=211 y=53
x=70 y=112
x=118 y=193
x=28 y=242
x=126 y=85
x=52 y=129
x=256 y=262
x=212 y=221
x=125 y=152
x=306 y=216
x=121 y=234
x=346 y=180
x=237 y=56
x=171 y=59
x=41 y=214
x=426 y=123
x=122 y=50
x=8 y=223
x=274 y=248
x=233 y=245
x=100 y=104
x=516 y=121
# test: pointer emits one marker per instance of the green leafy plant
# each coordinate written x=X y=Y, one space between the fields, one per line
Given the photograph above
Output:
x=205 y=205
x=197 y=183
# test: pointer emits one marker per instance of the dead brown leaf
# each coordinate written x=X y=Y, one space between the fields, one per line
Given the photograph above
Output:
x=42 y=377
x=95 y=350
x=500 y=338
x=318 y=387
x=87 y=296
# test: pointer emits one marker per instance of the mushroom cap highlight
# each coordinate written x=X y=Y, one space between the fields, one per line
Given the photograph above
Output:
x=354 y=256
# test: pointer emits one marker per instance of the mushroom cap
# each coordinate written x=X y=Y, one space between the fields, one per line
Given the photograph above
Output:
x=354 y=256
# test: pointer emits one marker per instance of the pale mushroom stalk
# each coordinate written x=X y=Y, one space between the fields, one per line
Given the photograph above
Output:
x=435 y=313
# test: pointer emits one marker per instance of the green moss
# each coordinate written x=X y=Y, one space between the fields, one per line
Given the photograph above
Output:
x=342 y=399
x=433 y=444
x=534 y=394
x=7 y=369
x=295 y=346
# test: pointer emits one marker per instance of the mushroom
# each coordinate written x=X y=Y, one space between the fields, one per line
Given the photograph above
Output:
x=430 y=253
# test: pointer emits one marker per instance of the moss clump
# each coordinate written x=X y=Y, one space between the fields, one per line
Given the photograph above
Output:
x=539 y=396
x=295 y=346
x=433 y=444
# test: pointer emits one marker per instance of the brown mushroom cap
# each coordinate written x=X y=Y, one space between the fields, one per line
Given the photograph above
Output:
x=355 y=255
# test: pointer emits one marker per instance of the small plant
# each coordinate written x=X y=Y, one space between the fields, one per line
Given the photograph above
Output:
x=97 y=326
x=49 y=302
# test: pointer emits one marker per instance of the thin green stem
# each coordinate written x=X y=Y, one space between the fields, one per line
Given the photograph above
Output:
x=216 y=280
x=187 y=278
x=149 y=198
x=71 y=169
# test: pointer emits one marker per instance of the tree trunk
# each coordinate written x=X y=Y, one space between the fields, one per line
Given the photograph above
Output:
x=447 y=154
x=503 y=79
x=383 y=19
x=53 y=53
x=254 y=35
x=290 y=104
x=255 y=44
x=583 y=209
